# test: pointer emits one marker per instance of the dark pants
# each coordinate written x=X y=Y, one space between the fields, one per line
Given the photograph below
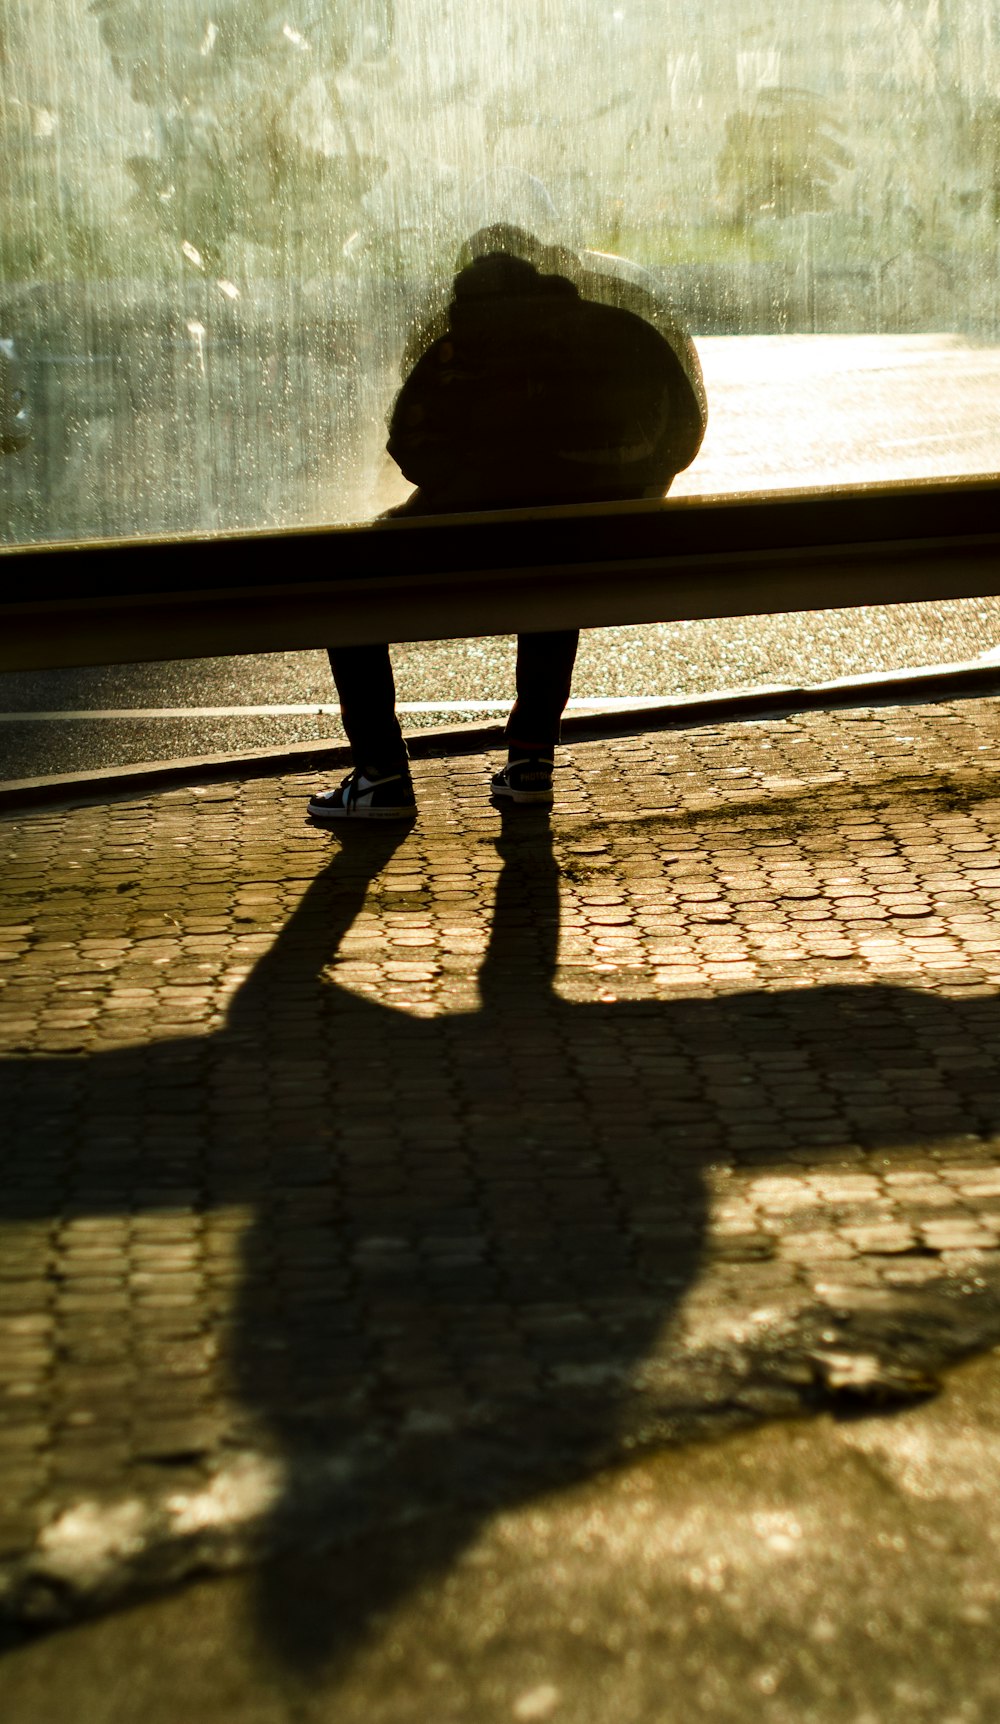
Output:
x=367 y=693
x=363 y=675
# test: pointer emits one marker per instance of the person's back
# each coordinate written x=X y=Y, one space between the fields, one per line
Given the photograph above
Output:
x=554 y=379
x=551 y=378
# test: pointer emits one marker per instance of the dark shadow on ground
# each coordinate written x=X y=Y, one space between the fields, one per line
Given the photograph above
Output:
x=468 y=1228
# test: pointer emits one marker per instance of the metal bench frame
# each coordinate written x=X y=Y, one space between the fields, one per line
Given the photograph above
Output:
x=444 y=578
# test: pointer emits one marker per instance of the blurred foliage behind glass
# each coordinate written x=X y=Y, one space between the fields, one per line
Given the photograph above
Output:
x=219 y=221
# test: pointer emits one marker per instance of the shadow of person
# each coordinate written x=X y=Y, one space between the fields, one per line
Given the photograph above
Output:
x=469 y=1232
x=520 y=1211
x=475 y=1294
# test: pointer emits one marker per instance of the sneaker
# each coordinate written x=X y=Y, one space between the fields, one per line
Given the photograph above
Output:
x=367 y=796
x=526 y=778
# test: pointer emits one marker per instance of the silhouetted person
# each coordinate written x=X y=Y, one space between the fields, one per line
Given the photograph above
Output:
x=552 y=378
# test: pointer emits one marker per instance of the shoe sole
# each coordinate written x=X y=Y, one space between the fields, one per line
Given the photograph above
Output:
x=523 y=796
x=329 y=816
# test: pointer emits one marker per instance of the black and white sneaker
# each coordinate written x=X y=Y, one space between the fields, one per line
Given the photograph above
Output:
x=367 y=796
x=527 y=777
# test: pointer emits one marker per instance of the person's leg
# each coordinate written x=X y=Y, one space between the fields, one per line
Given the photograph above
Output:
x=544 y=674
x=543 y=680
x=367 y=694
x=380 y=783
x=380 y=787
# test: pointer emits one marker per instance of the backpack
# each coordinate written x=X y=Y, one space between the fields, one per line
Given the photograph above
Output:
x=546 y=384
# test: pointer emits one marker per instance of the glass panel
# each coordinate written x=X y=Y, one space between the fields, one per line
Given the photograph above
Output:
x=221 y=223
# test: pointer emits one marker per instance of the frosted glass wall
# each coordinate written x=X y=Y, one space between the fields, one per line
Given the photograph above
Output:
x=218 y=223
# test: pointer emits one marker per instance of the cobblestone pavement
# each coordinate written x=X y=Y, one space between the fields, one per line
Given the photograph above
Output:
x=344 y=1178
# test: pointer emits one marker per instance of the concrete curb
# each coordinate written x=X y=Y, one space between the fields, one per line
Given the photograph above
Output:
x=930 y=683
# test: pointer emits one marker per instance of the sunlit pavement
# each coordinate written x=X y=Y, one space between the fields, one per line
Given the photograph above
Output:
x=790 y=410
x=528 y=1249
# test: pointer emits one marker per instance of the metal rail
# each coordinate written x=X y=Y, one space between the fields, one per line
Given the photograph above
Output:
x=442 y=578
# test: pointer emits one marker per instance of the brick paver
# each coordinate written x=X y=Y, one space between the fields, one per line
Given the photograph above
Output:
x=344 y=1178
